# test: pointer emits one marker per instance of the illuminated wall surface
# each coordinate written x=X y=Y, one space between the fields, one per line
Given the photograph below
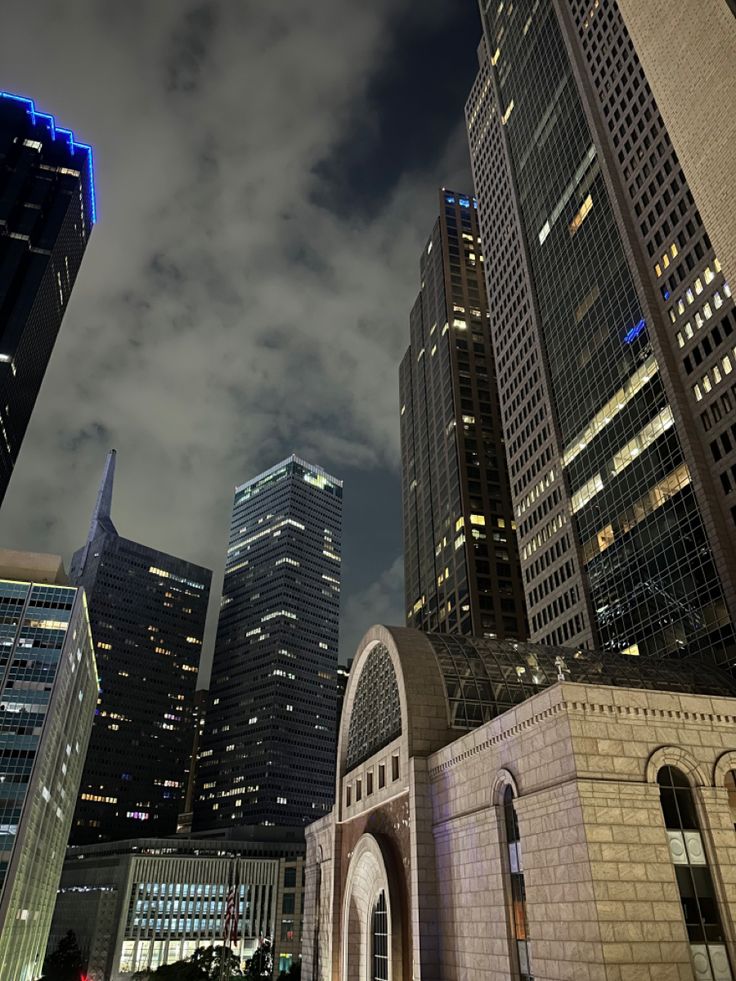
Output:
x=47 y=210
x=267 y=752
x=140 y=904
x=461 y=562
x=147 y=611
x=48 y=688
x=622 y=359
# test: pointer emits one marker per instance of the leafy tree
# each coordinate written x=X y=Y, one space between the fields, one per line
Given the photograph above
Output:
x=65 y=963
x=261 y=963
x=205 y=964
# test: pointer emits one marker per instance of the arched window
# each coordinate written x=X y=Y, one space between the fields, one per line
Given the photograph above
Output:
x=730 y=783
x=517 y=889
x=379 y=953
x=694 y=880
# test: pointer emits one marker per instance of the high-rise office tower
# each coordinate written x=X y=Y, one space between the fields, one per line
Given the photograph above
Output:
x=688 y=51
x=461 y=562
x=48 y=690
x=147 y=611
x=614 y=333
x=47 y=210
x=267 y=751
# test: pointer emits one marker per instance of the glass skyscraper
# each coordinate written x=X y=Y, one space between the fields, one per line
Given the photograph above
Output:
x=267 y=753
x=48 y=689
x=147 y=611
x=47 y=210
x=614 y=334
x=461 y=562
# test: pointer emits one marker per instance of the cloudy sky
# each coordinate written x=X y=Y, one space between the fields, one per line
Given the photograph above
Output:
x=266 y=176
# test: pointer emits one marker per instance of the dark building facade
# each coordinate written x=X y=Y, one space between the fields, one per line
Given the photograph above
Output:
x=267 y=752
x=461 y=562
x=614 y=333
x=147 y=612
x=47 y=210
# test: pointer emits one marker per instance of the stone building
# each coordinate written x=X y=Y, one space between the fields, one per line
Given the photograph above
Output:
x=512 y=811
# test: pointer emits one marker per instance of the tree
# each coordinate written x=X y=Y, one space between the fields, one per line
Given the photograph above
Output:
x=261 y=963
x=205 y=964
x=65 y=963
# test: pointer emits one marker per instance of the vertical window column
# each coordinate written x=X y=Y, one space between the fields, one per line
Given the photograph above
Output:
x=517 y=890
x=694 y=879
x=379 y=954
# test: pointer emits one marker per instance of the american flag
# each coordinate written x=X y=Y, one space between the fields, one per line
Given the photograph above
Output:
x=230 y=926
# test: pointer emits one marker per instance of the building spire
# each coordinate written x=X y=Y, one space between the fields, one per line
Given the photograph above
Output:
x=101 y=514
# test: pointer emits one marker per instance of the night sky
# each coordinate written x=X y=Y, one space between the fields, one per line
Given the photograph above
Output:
x=266 y=177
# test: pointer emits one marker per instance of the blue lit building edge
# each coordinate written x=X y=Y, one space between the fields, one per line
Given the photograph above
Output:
x=45 y=119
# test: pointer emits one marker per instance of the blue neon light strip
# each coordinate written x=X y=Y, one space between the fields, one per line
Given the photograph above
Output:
x=66 y=134
x=632 y=334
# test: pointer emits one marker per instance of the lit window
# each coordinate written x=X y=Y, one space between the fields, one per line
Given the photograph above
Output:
x=581 y=215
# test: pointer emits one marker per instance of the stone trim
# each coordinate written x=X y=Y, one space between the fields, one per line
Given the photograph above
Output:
x=629 y=712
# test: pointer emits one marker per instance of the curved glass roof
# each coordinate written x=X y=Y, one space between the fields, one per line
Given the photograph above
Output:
x=484 y=677
x=376 y=717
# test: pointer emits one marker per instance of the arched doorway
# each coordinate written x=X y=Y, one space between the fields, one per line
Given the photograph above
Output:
x=371 y=924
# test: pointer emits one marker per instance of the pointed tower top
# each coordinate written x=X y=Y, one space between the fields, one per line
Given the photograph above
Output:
x=101 y=520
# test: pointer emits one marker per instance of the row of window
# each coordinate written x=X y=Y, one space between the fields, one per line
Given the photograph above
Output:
x=369 y=781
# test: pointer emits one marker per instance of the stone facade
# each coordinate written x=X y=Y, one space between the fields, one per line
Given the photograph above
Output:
x=602 y=897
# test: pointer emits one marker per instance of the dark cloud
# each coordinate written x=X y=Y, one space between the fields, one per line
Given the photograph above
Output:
x=228 y=311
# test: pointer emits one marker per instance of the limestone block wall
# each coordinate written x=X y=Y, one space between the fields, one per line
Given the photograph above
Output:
x=602 y=898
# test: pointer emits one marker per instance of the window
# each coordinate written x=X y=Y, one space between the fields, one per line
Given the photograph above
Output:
x=381 y=775
x=380 y=940
x=694 y=880
x=290 y=877
x=517 y=889
x=395 y=767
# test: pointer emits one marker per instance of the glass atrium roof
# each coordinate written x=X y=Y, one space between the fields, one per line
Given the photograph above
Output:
x=483 y=678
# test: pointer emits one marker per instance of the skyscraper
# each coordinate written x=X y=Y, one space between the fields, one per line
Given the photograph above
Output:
x=267 y=751
x=147 y=611
x=47 y=210
x=461 y=562
x=614 y=332
x=48 y=688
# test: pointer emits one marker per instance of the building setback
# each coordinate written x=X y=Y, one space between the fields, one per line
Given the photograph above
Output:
x=614 y=333
x=47 y=210
x=461 y=562
x=267 y=751
x=136 y=905
x=147 y=611
x=48 y=689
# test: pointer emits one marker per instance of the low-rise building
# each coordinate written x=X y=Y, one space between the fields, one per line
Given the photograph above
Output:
x=512 y=811
x=138 y=904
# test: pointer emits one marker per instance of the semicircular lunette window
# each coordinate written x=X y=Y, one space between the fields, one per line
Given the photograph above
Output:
x=376 y=717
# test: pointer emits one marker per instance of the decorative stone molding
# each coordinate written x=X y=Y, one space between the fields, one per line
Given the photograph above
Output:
x=675 y=756
x=724 y=763
x=504 y=778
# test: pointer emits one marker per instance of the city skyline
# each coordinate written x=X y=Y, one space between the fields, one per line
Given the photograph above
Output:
x=184 y=323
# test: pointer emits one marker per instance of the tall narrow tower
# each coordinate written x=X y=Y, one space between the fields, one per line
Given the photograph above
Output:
x=615 y=338
x=47 y=210
x=147 y=611
x=461 y=562
x=267 y=753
